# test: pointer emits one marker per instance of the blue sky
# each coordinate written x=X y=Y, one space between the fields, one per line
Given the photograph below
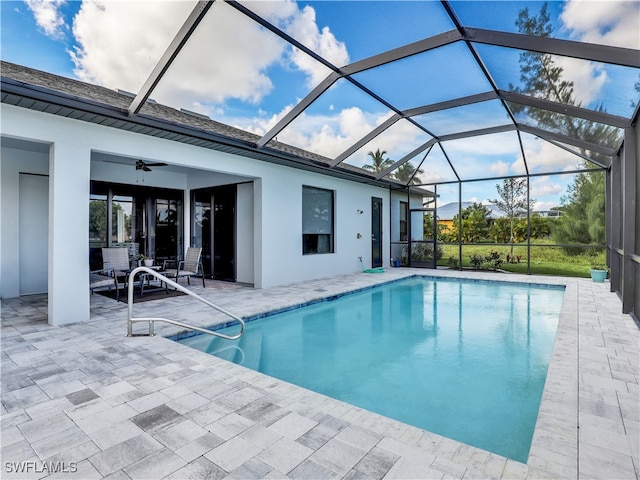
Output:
x=221 y=72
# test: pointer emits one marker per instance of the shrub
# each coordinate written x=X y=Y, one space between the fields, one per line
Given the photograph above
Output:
x=494 y=260
x=420 y=252
x=476 y=261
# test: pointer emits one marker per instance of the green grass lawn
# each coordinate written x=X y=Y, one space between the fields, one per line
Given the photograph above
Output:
x=544 y=260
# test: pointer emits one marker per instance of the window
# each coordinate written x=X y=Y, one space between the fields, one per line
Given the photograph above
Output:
x=317 y=220
x=97 y=221
x=404 y=230
x=122 y=216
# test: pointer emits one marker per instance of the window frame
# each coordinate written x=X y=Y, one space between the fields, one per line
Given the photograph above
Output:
x=403 y=221
x=319 y=242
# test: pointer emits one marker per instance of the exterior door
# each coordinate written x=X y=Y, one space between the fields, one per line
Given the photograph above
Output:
x=376 y=232
x=214 y=229
x=224 y=233
x=33 y=231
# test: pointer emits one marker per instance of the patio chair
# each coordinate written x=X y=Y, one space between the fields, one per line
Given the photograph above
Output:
x=189 y=267
x=104 y=278
x=117 y=260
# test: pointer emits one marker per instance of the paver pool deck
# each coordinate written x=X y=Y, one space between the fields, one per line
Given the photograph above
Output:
x=83 y=401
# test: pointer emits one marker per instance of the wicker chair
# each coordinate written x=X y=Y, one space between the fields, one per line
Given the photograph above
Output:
x=100 y=279
x=189 y=267
x=117 y=260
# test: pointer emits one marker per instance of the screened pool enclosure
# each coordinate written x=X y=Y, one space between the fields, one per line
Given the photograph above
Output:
x=448 y=97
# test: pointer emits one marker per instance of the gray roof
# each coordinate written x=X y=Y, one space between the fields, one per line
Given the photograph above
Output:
x=34 y=89
x=450 y=210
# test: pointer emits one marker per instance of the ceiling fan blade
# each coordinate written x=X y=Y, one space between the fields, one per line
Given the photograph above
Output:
x=155 y=164
x=146 y=168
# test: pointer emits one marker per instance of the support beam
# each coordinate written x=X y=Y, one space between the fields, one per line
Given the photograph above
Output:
x=406 y=158
x=609 y=212
x=405 y=51
x=69 y=187
x=476 y=133
x=456 y=102
x=584 y=157
x=565 y=109
x=298 y=109
x=366 y=139
x=629 y=187
x=546 y=135
x=626 y=57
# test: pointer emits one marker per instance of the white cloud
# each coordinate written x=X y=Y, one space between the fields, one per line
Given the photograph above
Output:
x=303 y=27
x=432 y=176
x=119 y=43
x=500 y=168
x=545 y=186
x=588 y=78
x=48 y=16
x=545 y=157
x=331 y=135
x=603 y=22
x=548 y=191
x=327 y=135
x=609 y=22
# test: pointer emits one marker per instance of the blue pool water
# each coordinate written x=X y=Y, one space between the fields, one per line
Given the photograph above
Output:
x=464 y=359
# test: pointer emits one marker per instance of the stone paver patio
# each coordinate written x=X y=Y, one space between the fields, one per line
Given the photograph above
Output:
x=85 y=401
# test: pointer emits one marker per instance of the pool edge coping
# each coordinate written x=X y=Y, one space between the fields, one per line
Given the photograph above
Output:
x=567 y=327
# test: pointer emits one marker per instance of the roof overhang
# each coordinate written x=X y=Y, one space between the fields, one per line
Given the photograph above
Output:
x=50 y=101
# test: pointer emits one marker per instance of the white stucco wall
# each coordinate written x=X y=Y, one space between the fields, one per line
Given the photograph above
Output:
x=12 y=163
x=277 y=197
x=244 y=234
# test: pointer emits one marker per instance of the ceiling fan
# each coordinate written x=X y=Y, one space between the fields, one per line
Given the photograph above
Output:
x=144 y=166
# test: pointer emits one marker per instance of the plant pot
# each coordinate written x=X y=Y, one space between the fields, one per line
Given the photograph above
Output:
x=148 y=263
x=598 y=276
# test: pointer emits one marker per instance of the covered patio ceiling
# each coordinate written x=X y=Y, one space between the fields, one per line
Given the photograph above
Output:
x=433 y=94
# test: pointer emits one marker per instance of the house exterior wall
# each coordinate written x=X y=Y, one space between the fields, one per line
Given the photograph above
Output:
x=13 y=162
x=244 y=234
x=270 y=244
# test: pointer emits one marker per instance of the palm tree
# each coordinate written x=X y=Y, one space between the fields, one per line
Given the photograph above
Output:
x=405 y=172
x=379 y=163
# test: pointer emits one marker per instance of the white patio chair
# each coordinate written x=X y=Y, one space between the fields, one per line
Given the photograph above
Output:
x=101 y=279
x=117 y=260
x=189 y=267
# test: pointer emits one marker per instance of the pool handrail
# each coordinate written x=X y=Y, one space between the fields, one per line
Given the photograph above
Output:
x=131 y=320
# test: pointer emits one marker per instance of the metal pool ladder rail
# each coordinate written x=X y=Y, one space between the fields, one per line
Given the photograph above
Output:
x=131 y=320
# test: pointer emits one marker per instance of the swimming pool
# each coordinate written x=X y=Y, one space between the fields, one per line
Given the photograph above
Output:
x=464 y=359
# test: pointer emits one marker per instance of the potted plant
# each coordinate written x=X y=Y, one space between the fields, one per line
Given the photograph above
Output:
x=148 y=262
x=599 y=273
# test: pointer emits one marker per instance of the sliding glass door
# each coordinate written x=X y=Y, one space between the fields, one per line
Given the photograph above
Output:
x=146 y=220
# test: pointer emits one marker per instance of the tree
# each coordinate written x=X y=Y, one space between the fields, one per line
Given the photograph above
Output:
x=405 y=174
x=540 y=226
x=98 y=222
x=542 y=78
x=513 y=202
x=475 y=223
x=378 y=162
x=582 y=220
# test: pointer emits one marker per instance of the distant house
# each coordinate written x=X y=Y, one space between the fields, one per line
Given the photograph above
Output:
x=447 y=212
x=549 y=213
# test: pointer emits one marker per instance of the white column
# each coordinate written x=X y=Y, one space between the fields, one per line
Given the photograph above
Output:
x=69 y=170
